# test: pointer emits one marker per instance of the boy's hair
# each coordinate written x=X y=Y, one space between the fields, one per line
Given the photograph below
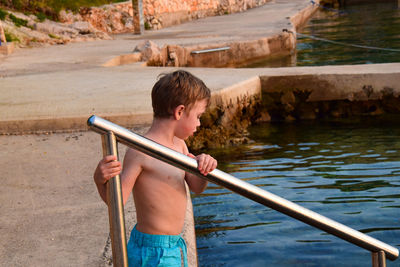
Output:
x=177 y=88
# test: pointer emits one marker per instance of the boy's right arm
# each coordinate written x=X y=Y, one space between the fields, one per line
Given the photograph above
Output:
x=109 y=167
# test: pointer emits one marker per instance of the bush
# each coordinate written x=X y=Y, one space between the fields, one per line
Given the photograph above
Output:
x=18 y=4
x=10 y=37
x=54 y=36
x=3 y=14
x=17 y=21
x=51 y=8
x=41 y=17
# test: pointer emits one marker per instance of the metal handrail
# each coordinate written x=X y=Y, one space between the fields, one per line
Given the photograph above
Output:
x=219 y=49
x=379 y=249
x=115 y=207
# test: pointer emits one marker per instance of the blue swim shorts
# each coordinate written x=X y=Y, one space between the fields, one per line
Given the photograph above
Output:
x=156 y=250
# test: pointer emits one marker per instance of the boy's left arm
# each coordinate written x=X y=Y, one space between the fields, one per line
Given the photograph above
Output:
x=205 y=164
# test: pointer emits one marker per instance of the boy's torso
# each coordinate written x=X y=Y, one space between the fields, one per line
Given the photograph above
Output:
x=160 y=197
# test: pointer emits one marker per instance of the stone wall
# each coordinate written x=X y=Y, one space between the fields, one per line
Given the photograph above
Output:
x=117 y=18
x=163 y=13
x=231 y=111
x=288 y=98
x=304 y=97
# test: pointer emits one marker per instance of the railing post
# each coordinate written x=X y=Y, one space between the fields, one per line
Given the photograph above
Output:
x=115 y=207
x=378 y=259
x=138 y=17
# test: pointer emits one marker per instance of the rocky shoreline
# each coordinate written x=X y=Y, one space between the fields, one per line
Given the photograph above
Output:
x=33 y=32
x=99 y=23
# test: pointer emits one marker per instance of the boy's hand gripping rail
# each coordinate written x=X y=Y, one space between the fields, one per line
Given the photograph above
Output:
x=379 y=249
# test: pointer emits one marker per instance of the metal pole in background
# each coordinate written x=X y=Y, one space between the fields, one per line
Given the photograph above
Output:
x=138 y=17
x=115 y=207
x=243 y=188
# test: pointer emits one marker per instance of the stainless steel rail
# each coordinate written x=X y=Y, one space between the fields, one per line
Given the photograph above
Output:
x=379 y=249
x=115 y=207
x=211 y=50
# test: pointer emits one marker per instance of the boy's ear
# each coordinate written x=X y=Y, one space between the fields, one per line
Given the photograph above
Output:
x=179 y=112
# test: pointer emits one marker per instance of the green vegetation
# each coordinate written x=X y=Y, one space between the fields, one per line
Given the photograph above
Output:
x=17 y=21
x=11 y=37
x=41 y=16
x=54 y=36
x=51 y=8
x=3 y=14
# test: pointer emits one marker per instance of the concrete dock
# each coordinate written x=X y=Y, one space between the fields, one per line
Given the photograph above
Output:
x=72 y=78
x=51 y=214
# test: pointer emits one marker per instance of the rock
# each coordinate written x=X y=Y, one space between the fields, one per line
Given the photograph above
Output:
x=65 y=17
x=68 y=17
x=377 y=111
x=264 y=117
x=307 y=113
x=289 y=118
x=24 y=36
x=50 y=32
x=83 y=27
x=54 y=28
x=36 y=36
x=129 y=23
x=149 y=50
x=176 y=56
x=154 y=21
x=103 y=36
x=109 y=18
x=288 y=108
x=288 y=98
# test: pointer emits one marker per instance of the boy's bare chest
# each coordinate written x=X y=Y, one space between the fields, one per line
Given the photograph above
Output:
x=164 y=172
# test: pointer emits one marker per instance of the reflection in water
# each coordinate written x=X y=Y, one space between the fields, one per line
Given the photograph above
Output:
x=331 y=177
x=373 y=24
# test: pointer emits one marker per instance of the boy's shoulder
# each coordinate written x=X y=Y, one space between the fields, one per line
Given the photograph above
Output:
x=140 y=157
x=135 y=156
x=181 y=146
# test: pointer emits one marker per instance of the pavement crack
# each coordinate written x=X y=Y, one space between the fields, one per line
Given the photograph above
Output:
x=107 y=252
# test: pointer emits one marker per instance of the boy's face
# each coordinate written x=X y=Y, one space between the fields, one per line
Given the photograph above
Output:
x=190 y=119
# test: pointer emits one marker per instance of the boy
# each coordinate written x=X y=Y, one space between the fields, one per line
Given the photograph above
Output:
x=159 y=192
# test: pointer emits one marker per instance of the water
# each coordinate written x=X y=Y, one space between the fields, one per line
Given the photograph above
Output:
x=348 y=171
x=372 y=24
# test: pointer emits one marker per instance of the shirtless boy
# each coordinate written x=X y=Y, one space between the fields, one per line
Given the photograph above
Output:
x=179 y=99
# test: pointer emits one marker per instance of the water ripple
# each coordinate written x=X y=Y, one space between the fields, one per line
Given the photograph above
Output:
x=347 y=180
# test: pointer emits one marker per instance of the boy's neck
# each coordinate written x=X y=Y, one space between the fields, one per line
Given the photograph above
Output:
x=162 y=131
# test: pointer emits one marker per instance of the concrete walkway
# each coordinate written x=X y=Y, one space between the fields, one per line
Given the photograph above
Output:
x=58 y=87
x=51 y=214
